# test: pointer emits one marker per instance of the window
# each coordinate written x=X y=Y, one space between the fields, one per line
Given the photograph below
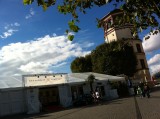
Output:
x=138 y=47
x=142 y=63
x=109 y=23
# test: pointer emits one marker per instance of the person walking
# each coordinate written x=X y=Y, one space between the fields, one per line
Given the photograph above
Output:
x=139 y=92
x=147 y=90
x=141 y=85
x=97 y=96
x=93 y=96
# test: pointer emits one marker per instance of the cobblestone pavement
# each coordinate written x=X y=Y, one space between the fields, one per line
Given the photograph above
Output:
x=125 y=108
x=150 y=108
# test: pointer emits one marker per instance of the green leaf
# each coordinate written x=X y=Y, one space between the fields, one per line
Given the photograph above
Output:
x=67 y=31
x=73 y=27
x=44 y=6
x=70 y=23
x=70 y=37
x=27 y=2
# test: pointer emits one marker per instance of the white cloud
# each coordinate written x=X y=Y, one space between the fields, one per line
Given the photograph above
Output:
x=154 y=63
x=28 y=16
x=31 y=13
x=154 y=60
x=16 y=24
x=150 y=45
x=34 y=67
x=154 y=68
x=60 y=64
x=38 y=56
x=54 y=34
x=8 y=33
x=153 y=43
x=12 y=25
x=87 y=44
x=71 y=33
x=10 y=30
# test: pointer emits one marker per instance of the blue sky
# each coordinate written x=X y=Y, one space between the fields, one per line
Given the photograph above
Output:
x=34 y=41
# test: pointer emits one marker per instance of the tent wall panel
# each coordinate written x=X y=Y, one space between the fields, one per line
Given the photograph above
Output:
x=5 y=109
x=12 y=102
x=17 y=107
x=32 y=97
x=65 y=96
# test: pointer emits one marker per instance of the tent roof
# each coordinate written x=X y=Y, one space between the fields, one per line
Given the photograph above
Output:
x=10 y=82
x=81 y=77
x=72 y=78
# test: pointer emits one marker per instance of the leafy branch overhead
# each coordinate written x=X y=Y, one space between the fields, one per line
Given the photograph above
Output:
x=142 y=14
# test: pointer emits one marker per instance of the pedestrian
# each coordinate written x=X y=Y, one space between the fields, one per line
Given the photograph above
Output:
x=147 y=90
x=93 y=96
x=135 y=90
x=141 y=85
x=97 y=96
x=139 y=91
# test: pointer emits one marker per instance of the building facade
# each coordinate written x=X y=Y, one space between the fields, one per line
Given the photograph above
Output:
x=113 y=32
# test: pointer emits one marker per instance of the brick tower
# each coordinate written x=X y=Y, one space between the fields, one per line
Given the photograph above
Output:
x=114 y=33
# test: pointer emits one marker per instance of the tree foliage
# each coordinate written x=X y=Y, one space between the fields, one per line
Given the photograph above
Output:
x=114 y=59
x=142 y=13
x=99 y=59
x=90 y=80
x=82 y=64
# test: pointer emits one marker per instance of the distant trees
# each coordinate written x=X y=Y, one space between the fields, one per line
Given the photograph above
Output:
x=114 y=59
x=82 y=64
x=90 y=80
x=99 y=59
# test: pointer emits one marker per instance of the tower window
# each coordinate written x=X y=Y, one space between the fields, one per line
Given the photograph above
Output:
x=138 y=48
x=142 y=63
x=109 y=23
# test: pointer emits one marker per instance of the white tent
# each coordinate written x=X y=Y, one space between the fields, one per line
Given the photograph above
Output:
x=82 y=77
x=12 y=99
x=13 y=92
x=101 y=81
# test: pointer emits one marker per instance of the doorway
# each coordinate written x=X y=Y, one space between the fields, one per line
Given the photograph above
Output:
x=49 y=96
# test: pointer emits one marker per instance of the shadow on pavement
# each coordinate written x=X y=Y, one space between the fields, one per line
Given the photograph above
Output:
x=154 y=89
x=155 y=97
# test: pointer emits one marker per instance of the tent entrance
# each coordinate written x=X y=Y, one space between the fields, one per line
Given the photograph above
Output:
x=49 y=96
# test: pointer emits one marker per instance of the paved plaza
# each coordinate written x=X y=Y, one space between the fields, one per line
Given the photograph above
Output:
x=124 y=108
